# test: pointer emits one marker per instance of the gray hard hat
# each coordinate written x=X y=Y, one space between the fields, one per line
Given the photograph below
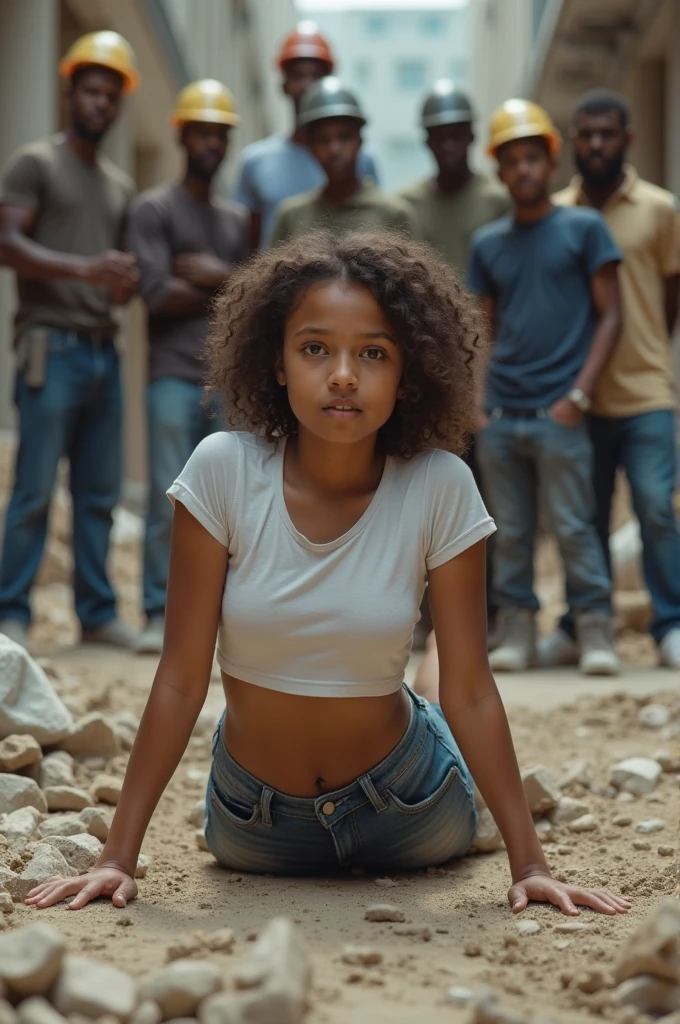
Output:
x=328 y=98
x=446 y=104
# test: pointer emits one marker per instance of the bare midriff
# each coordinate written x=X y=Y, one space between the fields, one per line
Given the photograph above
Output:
x=305 y=746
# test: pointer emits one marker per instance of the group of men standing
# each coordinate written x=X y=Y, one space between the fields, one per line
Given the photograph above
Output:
x=580 y=369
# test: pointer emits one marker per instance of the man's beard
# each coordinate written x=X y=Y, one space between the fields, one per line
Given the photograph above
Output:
x=606 y=174
x=87 y=134
x=198 y=170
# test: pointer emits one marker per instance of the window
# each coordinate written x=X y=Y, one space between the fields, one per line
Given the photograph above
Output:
x=362 y=72
x=411 y=74
x=432 y=24
x=376 y=24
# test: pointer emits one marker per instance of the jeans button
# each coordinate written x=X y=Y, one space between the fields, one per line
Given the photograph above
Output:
x=328 y=807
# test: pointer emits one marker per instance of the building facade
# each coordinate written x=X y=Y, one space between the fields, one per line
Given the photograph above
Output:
x=175 y=41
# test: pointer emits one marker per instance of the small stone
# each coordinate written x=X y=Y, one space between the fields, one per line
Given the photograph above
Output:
x=67 y=798
x=528 y=927
x=61 y=825
x=6 y=903
x=592 y=981
x=180 y=988
x=125 y=725
x=385 y=883
x=276 y=976
x=19 y=752
x=472 y=949
x=220 y=941
x=641 y=844
x=143 y=865
x=650 y=825
x=196 y=816
x=37 y=1010
x=622 y=820
x=81 y=852
x=544 y=830
x=415 y=931
x=489 y=1011
x=648 y=994
x=568 y=809
x=588 y=823
x=56 y=770
x=487 y=837
x=564 y=850
x=96 y=822
x=666 y=851
x=21 y=826
x=562 y=944
x=92 y=735
x=106 y=789
x=147 y=1012
x=570 y=927
x=654 y=946
x=93 y=989
x=459 y=996
x=637 y=775
x=184 y=947
x=30 y=959
x=578 y=771
x=541 y=792
x=623 y=797
x=124 y=921
x=361 y=956
x=670 y=763
x=653 y=716
x=384 y=912
x=18 y=791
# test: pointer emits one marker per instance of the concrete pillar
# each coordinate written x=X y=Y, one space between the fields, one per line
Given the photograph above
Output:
x=28 y=111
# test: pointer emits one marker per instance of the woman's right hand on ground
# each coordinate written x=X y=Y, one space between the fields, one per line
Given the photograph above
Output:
x=104 y=881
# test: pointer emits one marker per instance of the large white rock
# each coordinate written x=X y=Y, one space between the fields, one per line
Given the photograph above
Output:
x=94 y=990
x=96 y=822
x=28 y=702
x=180 y=988
x=56 y=770
x=61 y=825
x=637 y=775
x=18 y=752
x=541 y=791
x=45 y=863
x=21 y=826
x=37 y=1010
x=91 y=736
x=487 y=837
x=649 y=995
x=653 y=716
x=67 y=798
x=81 y=852
x=654 y=946
x=30 y=959
x=19 y=791
x=106 y=789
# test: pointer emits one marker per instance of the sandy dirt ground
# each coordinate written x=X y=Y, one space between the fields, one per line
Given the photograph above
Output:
x=474 y=939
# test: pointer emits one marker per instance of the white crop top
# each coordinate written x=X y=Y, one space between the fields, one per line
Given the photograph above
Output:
x=333 y=619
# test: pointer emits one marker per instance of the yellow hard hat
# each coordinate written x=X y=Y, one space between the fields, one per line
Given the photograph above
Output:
x=106 y=50
x=521 y=119
x=208 y=101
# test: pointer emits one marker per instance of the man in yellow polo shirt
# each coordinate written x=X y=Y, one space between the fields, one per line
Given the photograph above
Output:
x=632 y=421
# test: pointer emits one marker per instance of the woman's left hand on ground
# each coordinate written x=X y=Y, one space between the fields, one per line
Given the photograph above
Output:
x=544 y=889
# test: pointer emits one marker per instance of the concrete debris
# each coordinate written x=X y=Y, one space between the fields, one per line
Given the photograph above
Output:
x=143 y=865
x=650 y=825
x=654 y=947
x=415 y=931
x=125 y=726
x=587 y=823
x=18 y=752
x=385 y=883
x=361 y=956
x=107 y=788
x=472 y=949
x=6 y=903
x=487 y=837
x=20 y=827
x=593 y=981
x=670 y=763
x=384 y=912
x=45 y=863
x=528 y=927
x=541 y=791
x=220 y=941
x=196 y=816
x=648 y=995
x=570 y=927
x=568 y=809
x=61 y=825
x=653 y=716
x=544 y=830
x=96 y=822
x=577 y=771
x=30 y=959
x=180 y=988
x=665 y=851
x=57 y=769
x=460 y=996
x=37 y=1010
x=18 y=791
x=184 y=947
x=91 y=736
x=489 y=1011
x=201 y=841
x=81 y=852
x=147 y=1012
x=622 y=820
x=92 y=989
x=636 y=775
x=28 y=701
x=67 y=798
x=641 y=844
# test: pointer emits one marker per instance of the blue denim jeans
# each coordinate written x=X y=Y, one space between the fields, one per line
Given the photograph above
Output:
x=644 y=445
x=520 y=459
x=413 y=810
x=76 y=413
x=177 y=422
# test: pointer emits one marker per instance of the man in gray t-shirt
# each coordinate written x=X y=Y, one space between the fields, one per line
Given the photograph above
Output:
x=186 y=240
x=63 y=212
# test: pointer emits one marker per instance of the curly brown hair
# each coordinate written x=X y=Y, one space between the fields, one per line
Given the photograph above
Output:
x=437 y=323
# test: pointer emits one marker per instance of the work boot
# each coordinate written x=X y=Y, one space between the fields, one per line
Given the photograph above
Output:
x=113 y=633
x=595 y=636
x=150 y=640
x=516 y=651
x=15 y=630
x=557 y=648
x=669 y=649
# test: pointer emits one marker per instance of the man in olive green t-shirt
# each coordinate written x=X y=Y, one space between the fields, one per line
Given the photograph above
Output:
x=333 y=120
x=451 y=206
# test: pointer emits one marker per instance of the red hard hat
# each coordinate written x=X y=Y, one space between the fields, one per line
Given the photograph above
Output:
x=306 y=42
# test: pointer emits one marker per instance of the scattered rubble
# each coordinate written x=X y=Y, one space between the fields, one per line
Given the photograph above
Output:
x=91 y=736
x=487 y=837
x=361 y=956
x=179 y=989
x=30 y=959
x=587 y=823
x=18 y=791
x=18 y=752
x=541 y=791
x=93 y=990
x=653 y=716
x=568 y=809
x=636 y=775
x=384 y=912
x=106 y=789
x=28 y=701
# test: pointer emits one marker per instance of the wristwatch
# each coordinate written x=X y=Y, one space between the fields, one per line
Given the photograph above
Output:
x=580 y=399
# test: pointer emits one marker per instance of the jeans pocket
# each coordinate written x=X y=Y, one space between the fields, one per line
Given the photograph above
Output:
x=236 y=812
x=402 y=803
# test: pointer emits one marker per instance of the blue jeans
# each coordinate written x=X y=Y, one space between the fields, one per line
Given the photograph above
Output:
x=76 y=413
x=521 y=458
x=413 y=810
x=644 y=445
x=177 y=422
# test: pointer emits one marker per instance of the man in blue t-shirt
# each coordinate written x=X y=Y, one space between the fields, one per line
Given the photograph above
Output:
x=281 y=166
x=547 y=276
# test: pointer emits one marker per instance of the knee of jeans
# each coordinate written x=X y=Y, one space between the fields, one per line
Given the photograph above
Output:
x=655 y=511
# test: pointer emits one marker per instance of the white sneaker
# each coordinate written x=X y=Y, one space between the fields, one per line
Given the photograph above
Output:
x=557 y=648
x=595 y=634
x=150 y=640
x=113 y=633
x=15 y=630
x=516 y=651
x=669 y=649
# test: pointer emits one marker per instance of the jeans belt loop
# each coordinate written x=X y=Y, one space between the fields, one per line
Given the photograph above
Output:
x=372 y=793
x=265 y=806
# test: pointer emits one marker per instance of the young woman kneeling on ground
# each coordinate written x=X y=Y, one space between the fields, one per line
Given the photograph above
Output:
x=304 y=543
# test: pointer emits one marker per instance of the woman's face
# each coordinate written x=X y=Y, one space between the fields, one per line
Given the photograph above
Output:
x=341 y=363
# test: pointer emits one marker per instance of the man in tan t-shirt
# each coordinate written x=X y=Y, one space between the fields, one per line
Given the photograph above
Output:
x=632 y=421
x=63 y=210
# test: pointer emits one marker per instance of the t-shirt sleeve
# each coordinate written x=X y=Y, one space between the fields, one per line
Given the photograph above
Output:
x=668 y=240
x=22 y=181
x=148 y=239
x=207 y=485
x=478 y=277
x=246 y=192
x=600 y=246
x=456 y=517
